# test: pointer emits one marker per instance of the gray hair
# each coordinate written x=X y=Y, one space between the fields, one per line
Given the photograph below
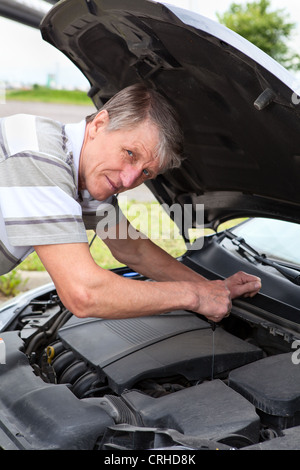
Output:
x=136 y=103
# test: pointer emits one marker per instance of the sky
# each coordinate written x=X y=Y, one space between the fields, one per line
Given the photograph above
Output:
x=26 y=58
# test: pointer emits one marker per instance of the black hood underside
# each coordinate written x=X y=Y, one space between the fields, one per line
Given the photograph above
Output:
x=237 y=108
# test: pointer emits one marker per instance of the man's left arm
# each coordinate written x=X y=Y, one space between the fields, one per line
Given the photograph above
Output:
x=148 y=259
x=145 y=257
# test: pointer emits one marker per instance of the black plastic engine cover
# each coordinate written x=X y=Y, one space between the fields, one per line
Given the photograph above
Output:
x=288 y=440
x=271 y=384
x=42 y=416
x=207 y=411
x=127 y=351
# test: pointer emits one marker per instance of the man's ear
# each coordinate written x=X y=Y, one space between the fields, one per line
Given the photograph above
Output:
x=99 y=122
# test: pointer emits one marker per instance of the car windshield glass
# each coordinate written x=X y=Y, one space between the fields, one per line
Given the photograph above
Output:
x=277 y=239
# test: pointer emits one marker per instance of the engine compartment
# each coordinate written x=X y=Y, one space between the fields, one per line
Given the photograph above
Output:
x=143 y=383
x=126 y=352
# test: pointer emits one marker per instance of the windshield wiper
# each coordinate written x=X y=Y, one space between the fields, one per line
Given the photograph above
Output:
x=251 y=254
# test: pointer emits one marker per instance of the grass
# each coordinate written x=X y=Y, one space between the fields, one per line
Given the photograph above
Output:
x=10 y=283
x=47 y=95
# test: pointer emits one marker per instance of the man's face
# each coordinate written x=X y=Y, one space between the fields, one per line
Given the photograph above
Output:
x=115 y=161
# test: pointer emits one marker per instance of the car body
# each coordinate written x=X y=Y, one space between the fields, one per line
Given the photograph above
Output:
x=173 y=381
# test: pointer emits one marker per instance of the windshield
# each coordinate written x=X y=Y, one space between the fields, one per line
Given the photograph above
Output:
x=275 y=238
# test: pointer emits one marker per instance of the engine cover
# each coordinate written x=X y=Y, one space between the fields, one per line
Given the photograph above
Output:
x=127 y=351
x=272 y=385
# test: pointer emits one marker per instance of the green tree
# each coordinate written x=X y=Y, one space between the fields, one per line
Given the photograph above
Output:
x=269 y=30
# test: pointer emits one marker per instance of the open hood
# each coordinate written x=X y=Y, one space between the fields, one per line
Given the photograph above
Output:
x=240 y=117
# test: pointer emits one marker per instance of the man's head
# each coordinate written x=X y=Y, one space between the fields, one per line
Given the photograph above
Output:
x=137 y=103
x=132 y=138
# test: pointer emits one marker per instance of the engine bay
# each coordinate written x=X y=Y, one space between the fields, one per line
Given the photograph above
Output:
x=147 y=382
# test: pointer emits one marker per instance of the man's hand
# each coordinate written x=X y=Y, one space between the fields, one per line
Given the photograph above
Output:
x=243 y=285
x=214 y=301
x=215 y=296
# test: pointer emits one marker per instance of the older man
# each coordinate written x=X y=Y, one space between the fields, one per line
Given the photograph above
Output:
x=51 y=177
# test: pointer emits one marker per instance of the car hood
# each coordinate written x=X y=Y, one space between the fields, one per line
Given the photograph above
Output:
x=238 y=107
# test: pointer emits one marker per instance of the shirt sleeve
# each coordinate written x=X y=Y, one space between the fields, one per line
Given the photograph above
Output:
x=38 y=201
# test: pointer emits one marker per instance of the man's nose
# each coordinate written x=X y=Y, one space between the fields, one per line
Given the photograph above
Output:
x=130 y=175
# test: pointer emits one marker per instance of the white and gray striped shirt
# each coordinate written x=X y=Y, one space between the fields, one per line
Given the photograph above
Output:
x=39 y=200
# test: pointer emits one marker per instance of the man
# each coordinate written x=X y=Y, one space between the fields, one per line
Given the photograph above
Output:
x=51 y=177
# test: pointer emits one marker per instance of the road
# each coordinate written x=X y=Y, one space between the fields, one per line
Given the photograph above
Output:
x=60 y=112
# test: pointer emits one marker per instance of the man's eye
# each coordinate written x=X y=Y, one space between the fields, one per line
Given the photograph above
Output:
x=130 y=153
x=146 y=172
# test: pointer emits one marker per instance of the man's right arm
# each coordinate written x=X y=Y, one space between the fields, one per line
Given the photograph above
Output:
x=88 y=290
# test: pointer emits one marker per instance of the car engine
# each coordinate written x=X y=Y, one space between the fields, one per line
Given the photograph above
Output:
x=144 y=383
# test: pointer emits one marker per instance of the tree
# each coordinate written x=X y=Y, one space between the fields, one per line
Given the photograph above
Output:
x=269 y=30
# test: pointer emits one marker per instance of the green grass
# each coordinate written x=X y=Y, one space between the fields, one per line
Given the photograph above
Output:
x=47 y=95
x=10 y=283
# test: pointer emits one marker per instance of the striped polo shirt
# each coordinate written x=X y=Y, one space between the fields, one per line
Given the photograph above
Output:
x=39 y=199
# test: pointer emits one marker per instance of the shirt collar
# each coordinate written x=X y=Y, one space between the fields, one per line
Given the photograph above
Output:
x=75 y=135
